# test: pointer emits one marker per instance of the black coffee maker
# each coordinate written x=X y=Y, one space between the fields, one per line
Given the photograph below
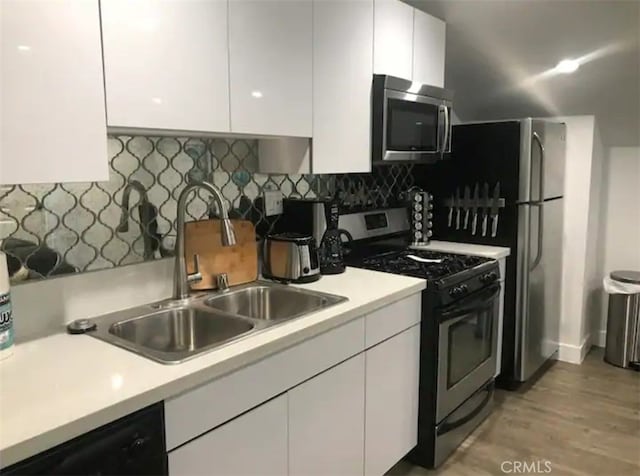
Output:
x=319 y=218
x=331 y=250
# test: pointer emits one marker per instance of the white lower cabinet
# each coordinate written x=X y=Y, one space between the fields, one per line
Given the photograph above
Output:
x=326 y=422
x=254 y=443
x=337 y=407
x=391 y=417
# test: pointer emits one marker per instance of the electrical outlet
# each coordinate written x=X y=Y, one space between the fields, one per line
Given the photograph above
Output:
x=272 y=202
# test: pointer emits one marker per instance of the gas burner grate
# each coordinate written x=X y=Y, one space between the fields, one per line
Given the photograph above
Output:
x=399 y=262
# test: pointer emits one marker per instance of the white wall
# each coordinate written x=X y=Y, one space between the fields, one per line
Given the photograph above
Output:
x=621 y=226
x=594 y=260
x=574 y=341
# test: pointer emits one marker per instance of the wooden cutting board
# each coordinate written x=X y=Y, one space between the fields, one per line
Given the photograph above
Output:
x=240 y=261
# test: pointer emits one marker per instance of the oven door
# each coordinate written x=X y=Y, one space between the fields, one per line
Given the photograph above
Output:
x=467 y=349
x=416 y=128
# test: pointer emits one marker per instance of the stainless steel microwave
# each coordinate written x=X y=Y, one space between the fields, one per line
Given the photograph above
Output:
x=411 y=122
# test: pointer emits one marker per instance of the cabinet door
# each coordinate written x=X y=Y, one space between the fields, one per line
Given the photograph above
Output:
x=342 y=76
x=166 y=64
x=392 y=376
x=393 y=39
x=326 y=422
x=254 y=443
x=270 y=66
x=52 y=119
x=429 y=36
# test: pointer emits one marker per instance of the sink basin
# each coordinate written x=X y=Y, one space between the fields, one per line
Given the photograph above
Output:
x=171 y=335
x=271 y=302
x=173 y=331
x=180 y=330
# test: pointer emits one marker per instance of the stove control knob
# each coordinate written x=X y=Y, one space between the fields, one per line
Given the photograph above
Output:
x=489 y=277
x=458 y=291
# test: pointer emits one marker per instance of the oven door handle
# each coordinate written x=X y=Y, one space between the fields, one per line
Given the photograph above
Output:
x=447 y=427
x=477 y=302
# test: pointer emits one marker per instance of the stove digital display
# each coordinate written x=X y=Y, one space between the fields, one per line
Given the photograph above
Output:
x=375 y=221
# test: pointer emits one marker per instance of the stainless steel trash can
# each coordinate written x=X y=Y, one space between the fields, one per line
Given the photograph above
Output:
x=623 y=323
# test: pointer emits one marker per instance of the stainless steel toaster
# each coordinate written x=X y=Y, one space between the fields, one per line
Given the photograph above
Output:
x=290 y=257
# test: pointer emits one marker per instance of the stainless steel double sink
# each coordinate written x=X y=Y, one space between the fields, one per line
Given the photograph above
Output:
x=174 y=331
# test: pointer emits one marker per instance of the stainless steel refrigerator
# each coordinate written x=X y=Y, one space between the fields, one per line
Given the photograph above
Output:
x=510 y=175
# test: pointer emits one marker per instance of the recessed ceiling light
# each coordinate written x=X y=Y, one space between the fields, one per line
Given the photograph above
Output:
x=24 y=48
x=256 y=94
x=567 y=66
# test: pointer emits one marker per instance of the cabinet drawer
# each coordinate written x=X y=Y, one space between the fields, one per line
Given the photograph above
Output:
x=392 y=319
x=254 y=443
x=197 y=411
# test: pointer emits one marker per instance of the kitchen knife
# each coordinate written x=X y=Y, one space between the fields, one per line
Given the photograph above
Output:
x=467 y=206
x=452 y=204
x=495 y=208
x=458 y=208
x=485 y=207
x=475 y=205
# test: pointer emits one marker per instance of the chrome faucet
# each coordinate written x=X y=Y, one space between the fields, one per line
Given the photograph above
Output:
x=181 y=278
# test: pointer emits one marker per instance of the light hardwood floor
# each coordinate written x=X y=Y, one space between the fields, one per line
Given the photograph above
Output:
x=583 y=419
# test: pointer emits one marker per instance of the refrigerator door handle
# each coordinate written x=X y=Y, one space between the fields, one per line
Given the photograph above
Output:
x=538 y=140
x=539 y=206
x=538 y=258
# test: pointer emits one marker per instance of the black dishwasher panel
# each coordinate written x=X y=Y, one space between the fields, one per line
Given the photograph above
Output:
x=132 y=445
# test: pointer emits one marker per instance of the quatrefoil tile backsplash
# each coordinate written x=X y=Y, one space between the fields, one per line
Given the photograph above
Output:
x=53 y=229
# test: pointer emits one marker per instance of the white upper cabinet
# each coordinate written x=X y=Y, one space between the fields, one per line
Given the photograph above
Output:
x=271 y=66
x=52 y=118
x=393 y=39
x=429 y=36
x=342 y=76
x=166 y=64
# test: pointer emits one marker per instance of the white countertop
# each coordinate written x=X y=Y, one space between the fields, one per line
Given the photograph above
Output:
x=493 y=252
x=58 y=387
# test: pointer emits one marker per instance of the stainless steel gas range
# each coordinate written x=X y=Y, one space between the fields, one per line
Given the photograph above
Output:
x=458 y=332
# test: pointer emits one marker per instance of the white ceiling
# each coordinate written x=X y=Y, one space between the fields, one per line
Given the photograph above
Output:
x=498 y=52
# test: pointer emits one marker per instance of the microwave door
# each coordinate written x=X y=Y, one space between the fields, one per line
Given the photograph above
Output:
x=411 y=128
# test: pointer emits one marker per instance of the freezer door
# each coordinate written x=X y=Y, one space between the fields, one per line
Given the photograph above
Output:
x=538 y=285
x=542 y=160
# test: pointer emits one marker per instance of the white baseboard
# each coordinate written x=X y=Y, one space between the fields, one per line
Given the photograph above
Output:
x=574 y=354
x=600 y=338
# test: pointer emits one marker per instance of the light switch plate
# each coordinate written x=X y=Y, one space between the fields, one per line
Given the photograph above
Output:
x=272 y=202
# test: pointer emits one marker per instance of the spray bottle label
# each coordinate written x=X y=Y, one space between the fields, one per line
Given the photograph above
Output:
x=6 y=322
